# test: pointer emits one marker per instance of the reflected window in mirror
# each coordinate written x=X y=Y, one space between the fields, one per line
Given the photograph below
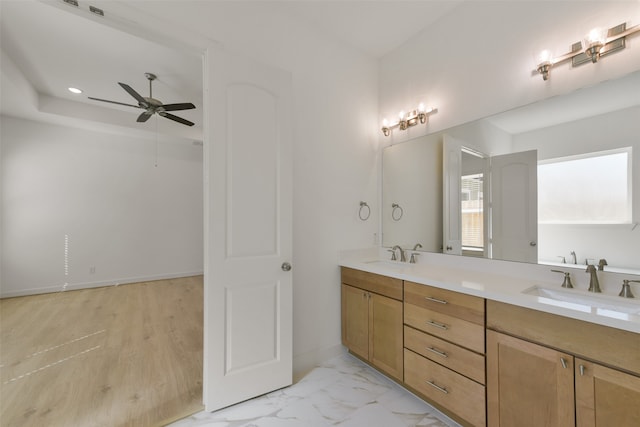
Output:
x=599 y=191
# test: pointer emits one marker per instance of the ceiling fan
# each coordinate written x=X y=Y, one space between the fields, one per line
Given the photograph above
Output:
x=152 y=105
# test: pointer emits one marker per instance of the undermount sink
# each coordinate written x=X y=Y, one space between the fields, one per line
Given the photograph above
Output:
x=579 y=300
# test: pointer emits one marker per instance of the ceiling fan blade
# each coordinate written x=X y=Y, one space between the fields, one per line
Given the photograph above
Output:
x=175 y=107
x=114 y=102
x=176 y=118
x=144 y=117
x=143 y=102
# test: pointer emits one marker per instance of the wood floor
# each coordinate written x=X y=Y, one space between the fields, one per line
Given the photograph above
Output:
x=128 y=355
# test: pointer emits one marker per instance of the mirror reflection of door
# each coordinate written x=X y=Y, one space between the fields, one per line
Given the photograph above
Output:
x=451 y=194
x=490 y=206
x=514 y=201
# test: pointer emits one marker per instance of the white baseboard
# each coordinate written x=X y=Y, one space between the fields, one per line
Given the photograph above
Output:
x=99 y=284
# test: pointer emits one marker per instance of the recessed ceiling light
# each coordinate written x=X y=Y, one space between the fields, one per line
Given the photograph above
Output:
x=74 y=90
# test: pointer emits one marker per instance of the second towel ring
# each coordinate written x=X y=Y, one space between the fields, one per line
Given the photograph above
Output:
x=363 y=213
x=396 y=212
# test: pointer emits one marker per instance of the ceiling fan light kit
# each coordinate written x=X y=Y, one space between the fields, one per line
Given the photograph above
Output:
x=152 y=105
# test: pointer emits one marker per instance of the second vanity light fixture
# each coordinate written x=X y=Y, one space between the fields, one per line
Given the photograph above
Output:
x=406 y=120
x=599 y=42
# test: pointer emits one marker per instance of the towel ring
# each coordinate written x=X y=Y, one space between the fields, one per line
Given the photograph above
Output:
x=362 y=213
x=396 y=212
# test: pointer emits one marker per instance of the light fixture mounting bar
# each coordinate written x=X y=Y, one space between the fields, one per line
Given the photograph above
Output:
x=615 y=42
x=407 y=120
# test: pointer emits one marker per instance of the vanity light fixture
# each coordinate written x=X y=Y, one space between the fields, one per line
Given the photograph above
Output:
x=406 y=120
x=598 y=43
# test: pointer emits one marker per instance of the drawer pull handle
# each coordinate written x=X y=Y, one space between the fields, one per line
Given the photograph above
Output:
x=438 y=352
x=439 y=301
x=564 y=362
x=437 y=387
x=581 y=370
x=437 y=325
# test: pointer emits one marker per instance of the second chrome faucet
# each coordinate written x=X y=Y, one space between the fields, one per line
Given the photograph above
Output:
x=403 y=257
x=594 y=285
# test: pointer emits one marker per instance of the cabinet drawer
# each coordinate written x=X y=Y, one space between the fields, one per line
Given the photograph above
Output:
x=454 y=304
x=461 y=360
x=383 y=285
x=452 y=391
x=453 y=329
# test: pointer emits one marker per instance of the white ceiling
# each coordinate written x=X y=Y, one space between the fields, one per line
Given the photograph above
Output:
x=54 y=49
x=54 y=46
x=374 y=27
x=48 y=46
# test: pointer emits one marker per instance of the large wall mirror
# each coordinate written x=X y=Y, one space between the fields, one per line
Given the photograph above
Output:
x=555 y=182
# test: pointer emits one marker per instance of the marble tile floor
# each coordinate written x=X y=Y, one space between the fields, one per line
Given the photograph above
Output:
x=341 y=392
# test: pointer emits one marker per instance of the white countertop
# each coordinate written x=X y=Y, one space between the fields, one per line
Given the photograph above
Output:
x=502 y=288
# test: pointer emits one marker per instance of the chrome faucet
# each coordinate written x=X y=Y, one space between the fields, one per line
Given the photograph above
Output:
x=566 y=283
x=414 y=254
x=573 y=257
x=594 y=285
x=403 y=258
x=626 y=289
x=601 y=264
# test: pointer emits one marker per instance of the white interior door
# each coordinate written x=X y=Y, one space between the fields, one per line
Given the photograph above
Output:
x=514 y=201
x=248 y=289
x=452 y=214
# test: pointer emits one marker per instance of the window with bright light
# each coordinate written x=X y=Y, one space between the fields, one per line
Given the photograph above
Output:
x=593 y=188
x=472 y=212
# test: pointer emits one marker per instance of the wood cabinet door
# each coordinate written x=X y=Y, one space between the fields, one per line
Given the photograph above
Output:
x=355 y=320
x=528 y=384
x=386 y=335
x=605 y=396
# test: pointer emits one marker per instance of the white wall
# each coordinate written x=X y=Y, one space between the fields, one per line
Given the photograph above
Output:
x=75 y=200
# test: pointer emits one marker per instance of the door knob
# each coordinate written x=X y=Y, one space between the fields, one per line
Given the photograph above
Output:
x=286 y=266
x=532 y=243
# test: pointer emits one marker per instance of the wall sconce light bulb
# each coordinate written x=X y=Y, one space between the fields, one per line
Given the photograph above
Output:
x=385 y=127
x=594 y=42
x=401 y=115
x=544 y=57
x=597 y=35
x=421 y=108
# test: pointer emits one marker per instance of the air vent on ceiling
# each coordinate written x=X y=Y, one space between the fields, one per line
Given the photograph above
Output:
x=71 y=2
x=96 y=10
